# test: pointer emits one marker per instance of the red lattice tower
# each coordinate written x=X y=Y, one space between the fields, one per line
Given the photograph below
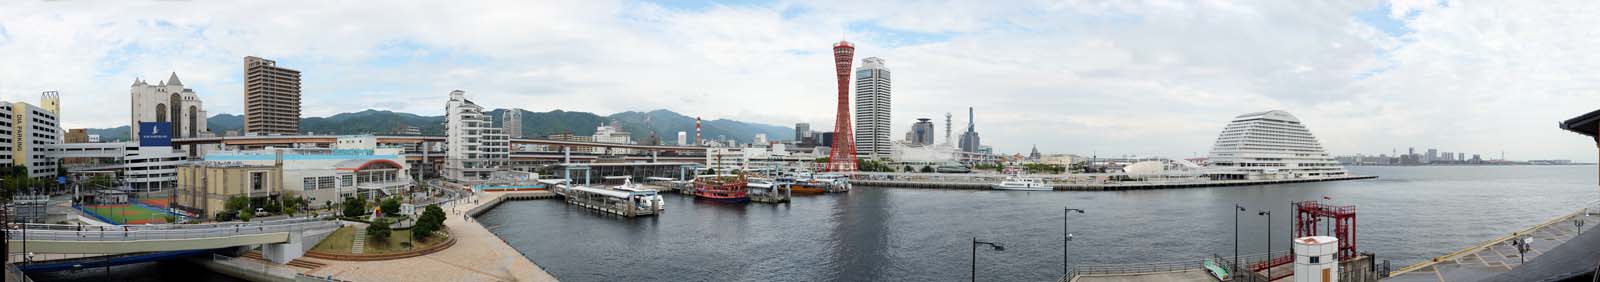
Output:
x=843 y=156
x=1310 y=213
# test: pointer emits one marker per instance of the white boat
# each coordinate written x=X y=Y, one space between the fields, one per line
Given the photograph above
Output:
x=1017 y=182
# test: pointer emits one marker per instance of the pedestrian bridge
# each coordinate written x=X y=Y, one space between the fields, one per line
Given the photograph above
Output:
x=282 y=239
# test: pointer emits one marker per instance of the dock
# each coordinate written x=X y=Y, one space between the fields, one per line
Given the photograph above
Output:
x=634 y=203
x=772 y=193
x=1498 y=255
x=975 y=182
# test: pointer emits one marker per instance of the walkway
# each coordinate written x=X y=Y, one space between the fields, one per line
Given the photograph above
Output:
x=76 y=239
x=1496 y=256
x=478 y=255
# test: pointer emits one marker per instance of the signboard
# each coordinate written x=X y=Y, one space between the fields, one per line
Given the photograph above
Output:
x=155 y=134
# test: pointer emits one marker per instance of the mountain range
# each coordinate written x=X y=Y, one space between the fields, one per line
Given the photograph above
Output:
x=665 y=124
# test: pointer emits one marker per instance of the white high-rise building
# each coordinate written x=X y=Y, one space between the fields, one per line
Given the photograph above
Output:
x=512 y=121
x=166 y=101
x=1271 y=145
x=683 y=138
x=475 y=147
x=872 y=109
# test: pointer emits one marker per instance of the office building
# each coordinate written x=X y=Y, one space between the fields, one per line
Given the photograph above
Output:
x=759 y=140
x=922 y=132
x=969 y=140
x=166 y=101
x=475 y=147
x=872 y=109
x=512 y=122
x=1271 y=145
x=271 y=98
x=77 y=135
x=204 y=188
x=802 y=131
x=683 y=138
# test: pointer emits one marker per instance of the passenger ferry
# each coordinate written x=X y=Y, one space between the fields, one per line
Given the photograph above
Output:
x=1017 y=182
x=724 y=188
x=818 y=184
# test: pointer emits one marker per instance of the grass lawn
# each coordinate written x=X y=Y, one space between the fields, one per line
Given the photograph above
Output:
x=129 y=214
x=339 y=242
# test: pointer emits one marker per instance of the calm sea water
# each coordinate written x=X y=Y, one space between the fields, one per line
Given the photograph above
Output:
x=897 y=234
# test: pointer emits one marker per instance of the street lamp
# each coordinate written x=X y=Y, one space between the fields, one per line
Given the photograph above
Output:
x=1269 y=241
x=975 y=243
x=1067 y=239
x=1235 y=268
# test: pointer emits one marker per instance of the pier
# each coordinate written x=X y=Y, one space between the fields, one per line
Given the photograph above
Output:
x=1059 y=182
x=1499 y=255
x=626 y=203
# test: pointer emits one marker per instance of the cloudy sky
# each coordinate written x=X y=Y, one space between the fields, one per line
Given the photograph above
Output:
x=1105 y=77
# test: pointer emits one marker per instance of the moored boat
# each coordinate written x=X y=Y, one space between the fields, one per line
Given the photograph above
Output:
x=1017 y=182
x=724 y=188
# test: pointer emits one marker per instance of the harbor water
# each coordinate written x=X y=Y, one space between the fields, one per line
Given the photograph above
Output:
x=1408 y=215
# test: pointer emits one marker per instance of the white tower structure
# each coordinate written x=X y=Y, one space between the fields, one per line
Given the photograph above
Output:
x=1271 y=145
x=166 y=101
x=1315 y=259
x=872 y=109
x=475 y=147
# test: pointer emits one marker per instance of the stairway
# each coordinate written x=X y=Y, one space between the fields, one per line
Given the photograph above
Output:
x=360 y=242
x=295 y=263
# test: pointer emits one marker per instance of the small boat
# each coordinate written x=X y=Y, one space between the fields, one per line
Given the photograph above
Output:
x=723 y=188
x=1017 y=182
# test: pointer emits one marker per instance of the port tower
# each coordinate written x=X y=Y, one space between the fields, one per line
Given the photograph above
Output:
x=843 y=156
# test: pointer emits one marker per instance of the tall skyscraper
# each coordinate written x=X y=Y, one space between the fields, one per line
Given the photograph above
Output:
x=511 y=120
x=476 y=148
x=872 y=109
x=922 y=132
x=271 y=98
x=947 y=129
x=969 y=140
x=166 y=101
x=802 y=131
x=842 y=157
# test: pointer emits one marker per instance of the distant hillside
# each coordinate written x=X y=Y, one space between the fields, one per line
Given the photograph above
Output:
x=665 y=123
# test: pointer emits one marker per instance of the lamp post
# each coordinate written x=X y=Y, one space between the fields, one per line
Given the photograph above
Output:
x=1269 y=241
x=1235 y=269
x=975 y=243
x=1067 y=238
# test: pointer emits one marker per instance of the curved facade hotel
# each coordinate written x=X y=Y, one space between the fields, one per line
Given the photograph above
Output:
x=1271 y=145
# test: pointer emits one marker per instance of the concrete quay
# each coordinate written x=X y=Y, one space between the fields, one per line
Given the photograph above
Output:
x=1497 y=255
x=1107 y=186
x=478 y=254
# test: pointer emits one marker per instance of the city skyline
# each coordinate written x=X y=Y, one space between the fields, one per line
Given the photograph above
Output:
x=1077 y=78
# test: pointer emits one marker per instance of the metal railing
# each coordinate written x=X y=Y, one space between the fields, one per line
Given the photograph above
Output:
x=146 y=227
x=112 y=234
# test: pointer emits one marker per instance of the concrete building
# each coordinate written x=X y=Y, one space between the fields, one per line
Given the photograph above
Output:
x=969 y=140
x=32 y=129
x=922 y=132
x=1271 y=145
x=330 y=175
x=872 y=109
x=683 y=138
x=271 y=98
x=77 y=135
x=151 y=168
x=166 y=101
x=759 y=140
x=612 y=133
x=204 y=188
x=512 y=122
x=802 y=131
x=475 y=148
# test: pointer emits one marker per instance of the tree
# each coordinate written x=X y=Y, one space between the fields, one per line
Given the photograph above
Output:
x=170 y=218
x=246 y=215
x=390 y=206
x=378 y=230
x=927 y=169
x=355 y=207
x=432 y=220
x=236 y=203
x=909 y=169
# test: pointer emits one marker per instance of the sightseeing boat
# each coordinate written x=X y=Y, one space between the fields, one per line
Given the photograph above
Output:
x=1018 y=182
x=723 y=188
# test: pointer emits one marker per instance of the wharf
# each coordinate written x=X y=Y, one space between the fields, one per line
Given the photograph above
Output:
x=635 y=203
x=1109 y=186
x=1498 y=255
x=478 y=254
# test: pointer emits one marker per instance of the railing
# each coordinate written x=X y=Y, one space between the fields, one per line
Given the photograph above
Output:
x=70 y=227
x=1153 y=267
x=256 y=266
x=136 y=235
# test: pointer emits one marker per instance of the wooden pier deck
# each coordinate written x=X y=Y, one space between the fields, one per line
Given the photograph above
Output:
x=1110 y=186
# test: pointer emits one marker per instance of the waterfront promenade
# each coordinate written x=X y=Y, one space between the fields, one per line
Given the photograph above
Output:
x=1498 y=255
x=478 y=255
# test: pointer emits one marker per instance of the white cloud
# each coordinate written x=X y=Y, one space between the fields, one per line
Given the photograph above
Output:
x=1114 y=77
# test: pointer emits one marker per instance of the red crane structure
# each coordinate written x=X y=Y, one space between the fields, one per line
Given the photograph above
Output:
x=843 y=156
x=1308 y=214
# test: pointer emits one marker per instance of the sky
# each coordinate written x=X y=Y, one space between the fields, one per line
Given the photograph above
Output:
x=1145 y=78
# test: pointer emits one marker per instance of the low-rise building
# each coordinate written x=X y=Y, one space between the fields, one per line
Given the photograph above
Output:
x=326 y=176
x=204 y=188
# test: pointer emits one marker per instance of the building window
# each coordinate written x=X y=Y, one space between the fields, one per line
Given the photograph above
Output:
x=347 y=180
x=258 y=180
x=310 y=183
x=325 y=182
